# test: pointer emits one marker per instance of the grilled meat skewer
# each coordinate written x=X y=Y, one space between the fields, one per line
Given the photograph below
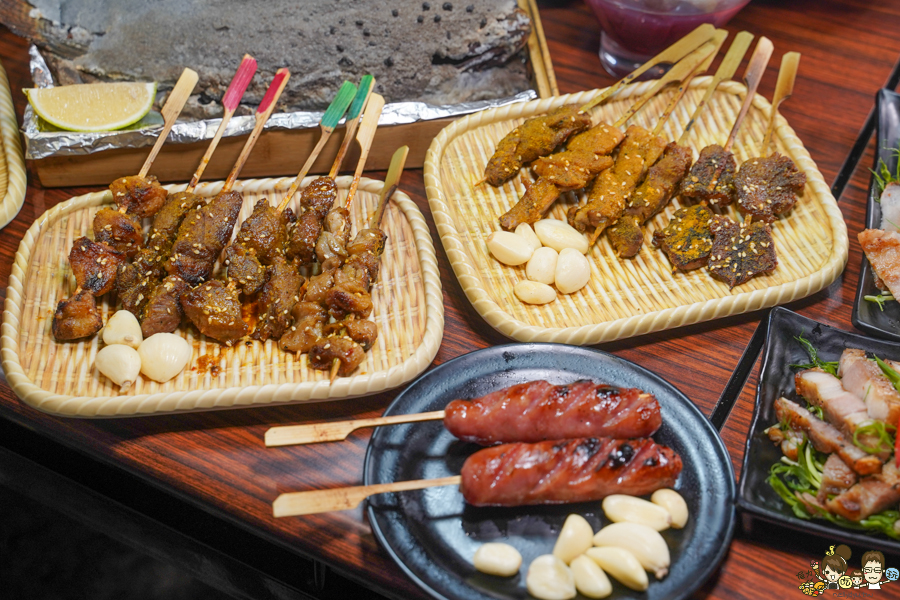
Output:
x=76 y=317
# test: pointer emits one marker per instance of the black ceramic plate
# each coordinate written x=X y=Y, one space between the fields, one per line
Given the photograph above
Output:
x=756 y=498
x=866 y=315
x=432 y=534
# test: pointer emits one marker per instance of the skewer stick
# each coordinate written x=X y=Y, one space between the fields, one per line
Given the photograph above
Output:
x=364 y=137
x=230 y=102
x=717 y=41
x=319 y=501
x=672 y=54
x=330 y=119
x=783 y=90
x=170 y=111
x=677 y=73
x=262 y=115
x=752 y=77
x=726 y=70
x=352 y=122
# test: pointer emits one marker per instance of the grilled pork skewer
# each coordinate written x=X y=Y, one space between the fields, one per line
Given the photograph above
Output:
x=712 y=177
x=767 y=186
x=663 y=178
x=553 y=472
x=137 y=282
x=212 y=306
x=96 y=261
x=540 y=136
x=526 y=412
x=641 y=148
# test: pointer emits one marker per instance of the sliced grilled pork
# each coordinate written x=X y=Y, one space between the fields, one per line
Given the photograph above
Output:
x=837 y=478
x=871 y=495
x=842 y=409
x=864 y=379
x=826 y=438
x=882 y=248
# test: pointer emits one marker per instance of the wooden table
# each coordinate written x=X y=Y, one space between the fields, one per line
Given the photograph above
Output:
x=198 y=488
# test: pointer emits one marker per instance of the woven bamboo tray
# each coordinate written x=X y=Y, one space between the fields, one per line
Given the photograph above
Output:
x=625 y=298
x=12 y=164
x=59 y=378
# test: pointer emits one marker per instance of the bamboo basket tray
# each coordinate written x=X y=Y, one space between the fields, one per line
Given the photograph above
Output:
x=625 y=298
x=59 y=378
x=12 y=163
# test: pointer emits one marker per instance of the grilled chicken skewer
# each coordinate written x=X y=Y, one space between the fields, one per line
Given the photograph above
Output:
x=587 y=153
x=137 y=281
x=540 y=136
x=611 y=190
x=212 y=306
x=627 y=235
x=95 y=263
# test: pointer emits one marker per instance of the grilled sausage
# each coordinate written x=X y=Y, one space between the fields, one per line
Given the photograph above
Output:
x=556 y=472
x=538 y=411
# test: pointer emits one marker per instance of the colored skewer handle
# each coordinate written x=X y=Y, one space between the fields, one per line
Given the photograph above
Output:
x=318 y=501
x=262 y=115
x=352 y=123
x=170 y=111
x=230 y=102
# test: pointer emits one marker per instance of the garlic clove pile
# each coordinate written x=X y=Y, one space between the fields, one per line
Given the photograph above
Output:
x=123 y=328
x=163 y=356
x=119 y=363
x=559 y=235
x=509 y=248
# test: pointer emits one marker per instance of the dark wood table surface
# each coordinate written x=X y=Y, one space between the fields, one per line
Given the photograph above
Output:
x=213 y=471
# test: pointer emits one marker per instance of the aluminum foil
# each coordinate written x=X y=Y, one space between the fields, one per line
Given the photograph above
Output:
x=41 y=144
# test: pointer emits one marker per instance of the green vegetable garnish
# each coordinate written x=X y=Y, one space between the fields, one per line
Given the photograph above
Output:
x=814 y=361
x=880 y=299
x=883 y=175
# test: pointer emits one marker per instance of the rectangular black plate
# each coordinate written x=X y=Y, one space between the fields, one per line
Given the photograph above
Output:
x=756 y=498
x=866 y=315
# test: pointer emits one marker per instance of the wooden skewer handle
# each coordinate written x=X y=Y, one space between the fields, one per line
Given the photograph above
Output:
x=783 y=90
x=318 y=501
x=752 y=76
x=174 y=103
x=334 y=432
x=365 y=136
x=326 y=133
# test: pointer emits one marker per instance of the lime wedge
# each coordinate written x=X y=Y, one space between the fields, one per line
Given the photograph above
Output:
x=93 y=106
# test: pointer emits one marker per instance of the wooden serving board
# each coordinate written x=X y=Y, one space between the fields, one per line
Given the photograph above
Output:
x=625 y=297
x=59 y=377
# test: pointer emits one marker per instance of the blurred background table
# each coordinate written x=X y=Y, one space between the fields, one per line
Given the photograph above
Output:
x=196 y=489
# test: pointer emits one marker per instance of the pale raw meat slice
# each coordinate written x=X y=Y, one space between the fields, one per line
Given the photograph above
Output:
x=825 y=438
x=837 y=477
x=871 y=495
x=890 y=207
x=882 y=248
x=842 y=409
x=864 y=379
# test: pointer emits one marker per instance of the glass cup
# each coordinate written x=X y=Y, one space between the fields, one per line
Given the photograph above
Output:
x=636 y=30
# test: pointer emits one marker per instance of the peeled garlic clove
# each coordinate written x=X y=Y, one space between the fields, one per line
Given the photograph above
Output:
x=509 y=248
x=576 y=536
x=163 y=356
x=645 y=543
x=590 y=580
x=120 y=363
x=541 y=266
x=525 y=231
x=560 y=235
x=499 y=559
x=674 y=505
x=621 y=565
x=123 y=328
x=619 y=508
x=572 y=271
x=534 y=292
x=550 y=579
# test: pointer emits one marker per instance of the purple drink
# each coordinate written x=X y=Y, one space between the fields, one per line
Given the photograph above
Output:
x=636 y=30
